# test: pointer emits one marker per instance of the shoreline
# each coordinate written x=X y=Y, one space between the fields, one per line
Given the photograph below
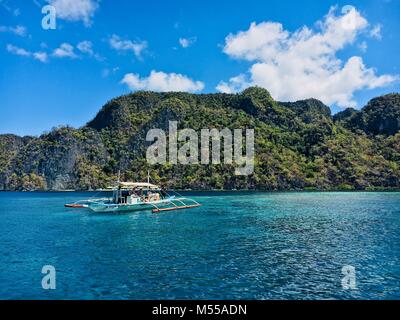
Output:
x=215 y=191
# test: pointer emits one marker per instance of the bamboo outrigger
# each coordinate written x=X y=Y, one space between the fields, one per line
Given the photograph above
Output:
x=135 y=196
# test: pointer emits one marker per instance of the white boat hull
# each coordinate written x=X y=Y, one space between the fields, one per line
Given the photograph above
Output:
x=155 y=206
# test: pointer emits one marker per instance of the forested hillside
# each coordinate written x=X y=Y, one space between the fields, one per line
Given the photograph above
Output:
x=298 y=145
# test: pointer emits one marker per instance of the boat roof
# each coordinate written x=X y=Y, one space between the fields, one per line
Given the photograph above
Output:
x=138 y=185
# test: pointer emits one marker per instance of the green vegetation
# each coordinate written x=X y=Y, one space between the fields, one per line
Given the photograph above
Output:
x=299 y=145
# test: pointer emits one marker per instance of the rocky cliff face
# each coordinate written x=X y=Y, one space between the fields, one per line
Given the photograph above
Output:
x=380 y=116
x=299 y=145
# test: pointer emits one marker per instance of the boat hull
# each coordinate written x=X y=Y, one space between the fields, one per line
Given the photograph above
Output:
x=115 y=208
x=120 y=208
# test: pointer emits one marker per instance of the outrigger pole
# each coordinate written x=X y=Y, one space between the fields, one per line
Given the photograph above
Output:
x=176 y=206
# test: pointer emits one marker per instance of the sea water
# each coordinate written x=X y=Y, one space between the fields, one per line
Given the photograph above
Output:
x=239 y=245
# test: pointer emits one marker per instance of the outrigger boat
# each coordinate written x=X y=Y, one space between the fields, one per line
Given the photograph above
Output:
x=135 y=196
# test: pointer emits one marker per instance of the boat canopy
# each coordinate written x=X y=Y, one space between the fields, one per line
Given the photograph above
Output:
x=138 y=185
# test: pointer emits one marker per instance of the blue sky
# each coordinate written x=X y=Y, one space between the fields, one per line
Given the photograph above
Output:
x=102 y=49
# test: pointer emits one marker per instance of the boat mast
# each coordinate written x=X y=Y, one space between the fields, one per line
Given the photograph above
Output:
x=118 y=192
x=148 y=179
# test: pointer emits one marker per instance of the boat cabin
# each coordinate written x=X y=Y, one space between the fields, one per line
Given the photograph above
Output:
x=137 y=192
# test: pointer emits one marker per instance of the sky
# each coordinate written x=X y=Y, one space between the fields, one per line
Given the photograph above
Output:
x=343 y=53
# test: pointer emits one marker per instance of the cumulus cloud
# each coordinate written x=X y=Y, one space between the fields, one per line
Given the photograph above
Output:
x=187 y=42
x=18 y=30
x=41 y=56
x=121 y=45
x=86 y=47
x=18 y=51
x=235 y=84
x=161 y=81
x=65 y=50
x=304 y=64
x=363 y=46
x=376 y=32
x=75 y=10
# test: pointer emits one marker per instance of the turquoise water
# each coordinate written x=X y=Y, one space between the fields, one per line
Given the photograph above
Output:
x=236 y=246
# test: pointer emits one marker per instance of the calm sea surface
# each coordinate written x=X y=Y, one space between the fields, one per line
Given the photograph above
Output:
x=236 y=246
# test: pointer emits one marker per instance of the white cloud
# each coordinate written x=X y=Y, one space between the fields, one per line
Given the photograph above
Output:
x=304 y=64
x=85 y=47
x=75 y=10
x=363 y=46
x=136 y=47
x=260 y=41
x=18 y=30
x=161 y=81
x=41 y=56
x=376 y=32
x=187 y=42
x=65 y=51
x=235 y=84
x=18 y=51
